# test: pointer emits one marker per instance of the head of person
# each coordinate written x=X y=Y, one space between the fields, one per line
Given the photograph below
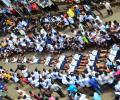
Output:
x=33 y=78
x=96 y=75
x=44 y=69
x=19 y=98
x=11 y=70
x=90 y=76
x=1 y=67
x=30 y=92
x=36 y=69
x=83 y=75
x=24 y=97
x=17 y=88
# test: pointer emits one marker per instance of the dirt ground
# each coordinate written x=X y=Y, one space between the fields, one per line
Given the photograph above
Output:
x=107 y=95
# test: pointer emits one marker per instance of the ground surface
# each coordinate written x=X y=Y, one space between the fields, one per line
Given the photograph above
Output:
x=107 y=95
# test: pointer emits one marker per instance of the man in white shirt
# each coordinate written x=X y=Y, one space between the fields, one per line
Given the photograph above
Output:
x=44 y=72
x=117 y=86
x=25 y=72
x=15 y=78
x=35 y=60
x=35 y=82
x=36 y=74
x=108 y=7
x=66 y=22
x=48 y=60
x=56 y=88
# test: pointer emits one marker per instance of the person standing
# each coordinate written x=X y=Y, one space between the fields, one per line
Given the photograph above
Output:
x=96 y=96
x=94 y=84
x=56 y=88
x=94 y=5
x=108 y=7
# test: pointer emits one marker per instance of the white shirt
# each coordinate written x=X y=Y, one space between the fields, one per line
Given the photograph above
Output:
x=86 y=81
x=80 y=40
x=81 y=27
x=22 y=32
x=30 y=79
x=44 y=73
x=66 y=21
x=86 y=7
x=100 y=80
x=58 y=65
x=24 y=23
x=76 y=56
x=50 y=2
x=44 y=85
x=13 y=35
x=92 y=57
x=24 y=60
x=90 y=63
x=48 y=82
x=53 y=75
x=117 y=87
x=25 y=72
x=62 y=57
x=113 y=52
x=35 y=82
x=111 y=57
x=35 y=60
x=83 y=97
x=110 y=79
x=107 y=5
x=90 y=18
x=81 y=82
x=36 y=75
x=64 y=80
x=14 y=59
x=15 y=78
x=118 y=67
x=71 y=20
x=48 y=60
x=81 y=18
x=42 y=31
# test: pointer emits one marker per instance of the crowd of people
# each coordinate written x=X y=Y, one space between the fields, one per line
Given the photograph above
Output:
x=87 y=29
x=50 y=81
x=25 y=7
x=43 y=34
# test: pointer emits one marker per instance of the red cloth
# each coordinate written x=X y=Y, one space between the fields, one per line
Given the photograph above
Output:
x=12 y=11
x=70 y=1
x=34 y=6
x=25 y=80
